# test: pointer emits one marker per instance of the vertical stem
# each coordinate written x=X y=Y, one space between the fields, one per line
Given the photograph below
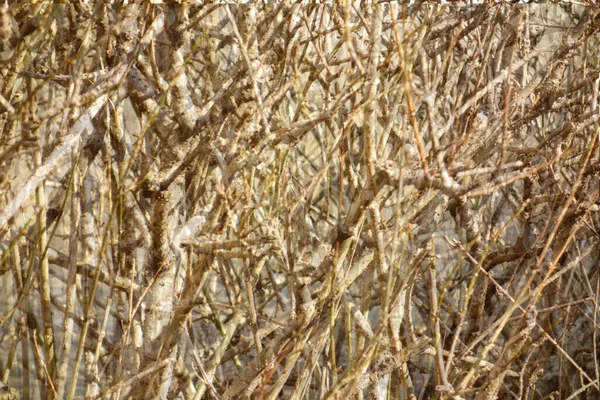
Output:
x=435 y=314
x=63 y=362
x=373 y=79
x=88 y=234
x=48 y=331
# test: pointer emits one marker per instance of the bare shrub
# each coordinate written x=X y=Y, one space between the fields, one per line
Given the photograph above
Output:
x=383 y=200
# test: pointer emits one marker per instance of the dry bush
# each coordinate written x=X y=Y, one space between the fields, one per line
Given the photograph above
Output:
x=335 y=201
